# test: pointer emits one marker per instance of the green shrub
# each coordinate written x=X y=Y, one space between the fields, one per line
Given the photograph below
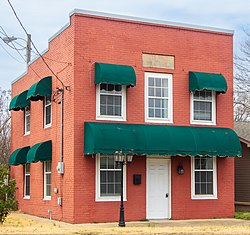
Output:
x=7 y=193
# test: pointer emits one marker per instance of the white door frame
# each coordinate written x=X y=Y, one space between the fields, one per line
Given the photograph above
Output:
x=168 y=158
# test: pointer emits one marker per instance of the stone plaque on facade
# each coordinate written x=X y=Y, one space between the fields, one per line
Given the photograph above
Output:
x=158 y=61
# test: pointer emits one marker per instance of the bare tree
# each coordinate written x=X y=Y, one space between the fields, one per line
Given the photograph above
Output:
x=242 y=81
x=4 y=126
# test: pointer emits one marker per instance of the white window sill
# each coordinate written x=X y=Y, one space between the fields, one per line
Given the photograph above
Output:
x=47 y=198
x=204 y=197
x=110 y=199
x=111 y=118
x=47 y=126
x=26 y=197
x=203 y=123
x=159 y=120
x=27 y=133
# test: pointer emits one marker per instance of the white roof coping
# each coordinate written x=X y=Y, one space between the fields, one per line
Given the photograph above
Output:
x=151 y=21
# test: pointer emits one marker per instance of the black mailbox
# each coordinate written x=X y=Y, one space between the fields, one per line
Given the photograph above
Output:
x=137 y=179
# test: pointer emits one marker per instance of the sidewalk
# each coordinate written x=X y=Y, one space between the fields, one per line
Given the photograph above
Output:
x=18 y=223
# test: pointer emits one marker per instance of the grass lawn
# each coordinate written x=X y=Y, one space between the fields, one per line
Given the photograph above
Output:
x=242 y=215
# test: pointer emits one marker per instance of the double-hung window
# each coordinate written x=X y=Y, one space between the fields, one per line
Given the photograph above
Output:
x=27 y=181
x=26 y=120
x=47 y=111
x=108 y=179
x=203 y=107
x=47 y=180
x=204 y=178
x=158 y=97
x=111 y=102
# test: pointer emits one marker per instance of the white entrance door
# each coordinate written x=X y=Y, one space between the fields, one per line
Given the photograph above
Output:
x=158 y=188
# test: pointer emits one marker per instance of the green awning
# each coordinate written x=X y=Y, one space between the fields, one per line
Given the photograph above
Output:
x=40 y=89
x=207 y=81
x=19 y=102
x=107 y=138
x=40 y=152
x=115 y=74
x=19 y=156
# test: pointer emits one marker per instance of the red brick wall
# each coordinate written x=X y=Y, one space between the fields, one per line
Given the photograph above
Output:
x=92 y=39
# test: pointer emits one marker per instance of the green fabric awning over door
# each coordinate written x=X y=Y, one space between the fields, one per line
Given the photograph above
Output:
x=207 y=81
x=40 y=152
x=19 y=102
x=107 y=138
x=19 y=156
x=40 y=89
x=115 y=74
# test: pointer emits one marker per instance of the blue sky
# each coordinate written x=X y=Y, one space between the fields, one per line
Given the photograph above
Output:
x=43 y=18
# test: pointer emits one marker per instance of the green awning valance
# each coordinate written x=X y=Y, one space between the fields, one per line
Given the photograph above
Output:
x=107 y=138
x=115 y=74
x=40 y=89
x=19 y=156
x=207 y=81
x=19 y=102
x=40 y=152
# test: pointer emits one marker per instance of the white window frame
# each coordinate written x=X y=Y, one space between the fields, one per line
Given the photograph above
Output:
x=45 y=181
x=108 y=198
x=26 y=114
x=203 y=122
x=25 y=181
x=107 y=117
x=170 y=98
x=207 y=196
x=44 y=112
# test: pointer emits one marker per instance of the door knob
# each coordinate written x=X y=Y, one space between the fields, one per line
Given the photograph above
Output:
x=166 y=195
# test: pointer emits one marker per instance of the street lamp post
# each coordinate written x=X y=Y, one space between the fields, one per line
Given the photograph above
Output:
x=28 y=45
x=121 y=159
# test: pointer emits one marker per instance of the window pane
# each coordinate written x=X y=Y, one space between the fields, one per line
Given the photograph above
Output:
x=103 y=190
x=158 y=82
x=164 y=92
x=210 y=188
x=103 y=176
x=111 y=162
x=48 y=166
x=111 y=87
x=158 y=103
x=48 y=115
x=203 y=188
x=103 y=162
x=210 y=177
x=27 y=185
x=151 y=112
x=48 y=190
x=27 y=168
x=209 y=163
x=48 y=179
x=103 y=87
x=197 y=163
x=164 y=113
x=197 y=177
x=103 y=99
x=158 y=113
x=203 y=163
x=151 y=91
x=151 y=102
x=165 y=82
x=118 y=88
x=151 y=81
x=110 y=100
x=103 y=110
x=197 y=188
x=158 y=92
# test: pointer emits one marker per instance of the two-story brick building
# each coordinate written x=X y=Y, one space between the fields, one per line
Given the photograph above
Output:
x=161 y=92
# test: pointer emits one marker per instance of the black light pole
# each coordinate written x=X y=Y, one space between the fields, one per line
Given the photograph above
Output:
x=121 y=158
x=121 y=219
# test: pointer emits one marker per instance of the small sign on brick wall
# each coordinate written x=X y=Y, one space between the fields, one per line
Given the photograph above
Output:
x=158 y=61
